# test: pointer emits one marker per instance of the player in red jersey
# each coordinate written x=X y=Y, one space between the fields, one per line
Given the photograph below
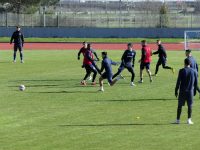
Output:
x=145 y=60
x=90 y=66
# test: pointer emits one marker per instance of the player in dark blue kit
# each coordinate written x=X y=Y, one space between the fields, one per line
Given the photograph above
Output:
x=186 y=85
x=18 y=43
x=193 y=63
x=106 y=64
x=128 y=61
x=162 y=58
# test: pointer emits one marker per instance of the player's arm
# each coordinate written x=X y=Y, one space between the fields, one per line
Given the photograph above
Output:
x=12 y=37
x=22 y=38
x=122 y=58
x=134 y=59
x=79 y=53
x=95 y=54
x=155 y=53
x=102 y=67
x=195 y=83
x=178 y=84
x=197 y=66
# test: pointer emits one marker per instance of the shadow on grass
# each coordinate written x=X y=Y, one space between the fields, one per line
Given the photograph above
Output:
x=138 y=99
x=112 y=125
x=63 y=92
x=45 y=85
x=45 y=80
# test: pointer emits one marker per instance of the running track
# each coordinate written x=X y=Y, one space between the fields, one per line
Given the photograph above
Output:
x=98 y=46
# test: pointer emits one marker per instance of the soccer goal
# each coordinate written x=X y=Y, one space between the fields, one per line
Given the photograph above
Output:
x=192 y=40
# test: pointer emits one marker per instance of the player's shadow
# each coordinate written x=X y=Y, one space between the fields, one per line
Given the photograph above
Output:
x=138 y=99
x=33 y=80
x=64 y=92
x=114 y=125
x=44 y=85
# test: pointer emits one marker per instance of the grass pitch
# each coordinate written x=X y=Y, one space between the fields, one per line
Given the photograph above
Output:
x=56 y=113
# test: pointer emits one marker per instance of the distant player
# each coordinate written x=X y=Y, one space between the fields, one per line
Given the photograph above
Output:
x=128 y=61
x=162 y=58
x=82 y=51
x=106 y=64
x=193 y=63
x=145 y=60
x=18 y=38
x=90 y=66
x=186 y=85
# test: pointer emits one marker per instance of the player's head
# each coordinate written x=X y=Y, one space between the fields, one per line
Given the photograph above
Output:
x=187 y=62
x=104 y=54
x=158 y=42
x=18 y=28
x=188 y=52
x=144 y=42
x=129 y=46
x=88 y=46
x=85 y=44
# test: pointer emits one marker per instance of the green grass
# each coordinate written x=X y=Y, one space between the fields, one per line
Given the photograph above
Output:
x=106 y=40
x=56 y=113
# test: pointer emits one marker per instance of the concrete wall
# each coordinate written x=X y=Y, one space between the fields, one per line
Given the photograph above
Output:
x=99 y=32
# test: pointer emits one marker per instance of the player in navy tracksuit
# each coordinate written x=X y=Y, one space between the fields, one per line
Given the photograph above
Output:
x=18 y=38
x=193 y=63
x=128 y=60
x=162 y=57
x=106 y=64
x=186 y=85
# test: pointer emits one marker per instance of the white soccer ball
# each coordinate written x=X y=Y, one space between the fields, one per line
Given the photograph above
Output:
x=22 y=87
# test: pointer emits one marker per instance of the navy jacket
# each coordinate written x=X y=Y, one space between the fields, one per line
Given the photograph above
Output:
x=161 y=52
x=187 y=80
x=128 y=57
x=193 y=64
x=17 y=37
x=106 y=64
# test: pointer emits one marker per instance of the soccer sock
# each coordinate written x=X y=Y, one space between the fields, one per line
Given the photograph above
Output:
x=21 y=55
x=179 y=109
x=189 y=112
x=14 y=55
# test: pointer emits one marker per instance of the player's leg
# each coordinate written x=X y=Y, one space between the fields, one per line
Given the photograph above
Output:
x=149 y=71
x=93 y=69
x=189 y=104
x=131 y=70
x=21 y=53
x=141 y=72
x=181 y=102
x=164 y=61
x=120 y=69
x=88 y=71
x=103 y=76
x=157 y=66
x=15 y=53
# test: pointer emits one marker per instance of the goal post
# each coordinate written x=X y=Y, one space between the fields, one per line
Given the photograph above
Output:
x=192 y=39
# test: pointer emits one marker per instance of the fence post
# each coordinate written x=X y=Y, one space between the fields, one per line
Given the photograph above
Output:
x=6 y=19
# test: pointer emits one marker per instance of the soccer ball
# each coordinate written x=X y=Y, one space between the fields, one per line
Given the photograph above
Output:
x=22 y=87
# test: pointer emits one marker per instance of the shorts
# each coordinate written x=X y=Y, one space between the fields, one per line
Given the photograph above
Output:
x=162 y=61
x=185 y=97
x=18 y=46
x=107 y=76
x=145 y=65
x=128 y=66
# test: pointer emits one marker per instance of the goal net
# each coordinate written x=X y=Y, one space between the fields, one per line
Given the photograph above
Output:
x=192 y=40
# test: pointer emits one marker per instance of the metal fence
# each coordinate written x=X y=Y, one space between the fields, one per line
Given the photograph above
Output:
x=107 y=20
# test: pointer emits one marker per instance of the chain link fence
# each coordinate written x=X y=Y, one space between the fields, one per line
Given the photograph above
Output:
x=108 y=15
